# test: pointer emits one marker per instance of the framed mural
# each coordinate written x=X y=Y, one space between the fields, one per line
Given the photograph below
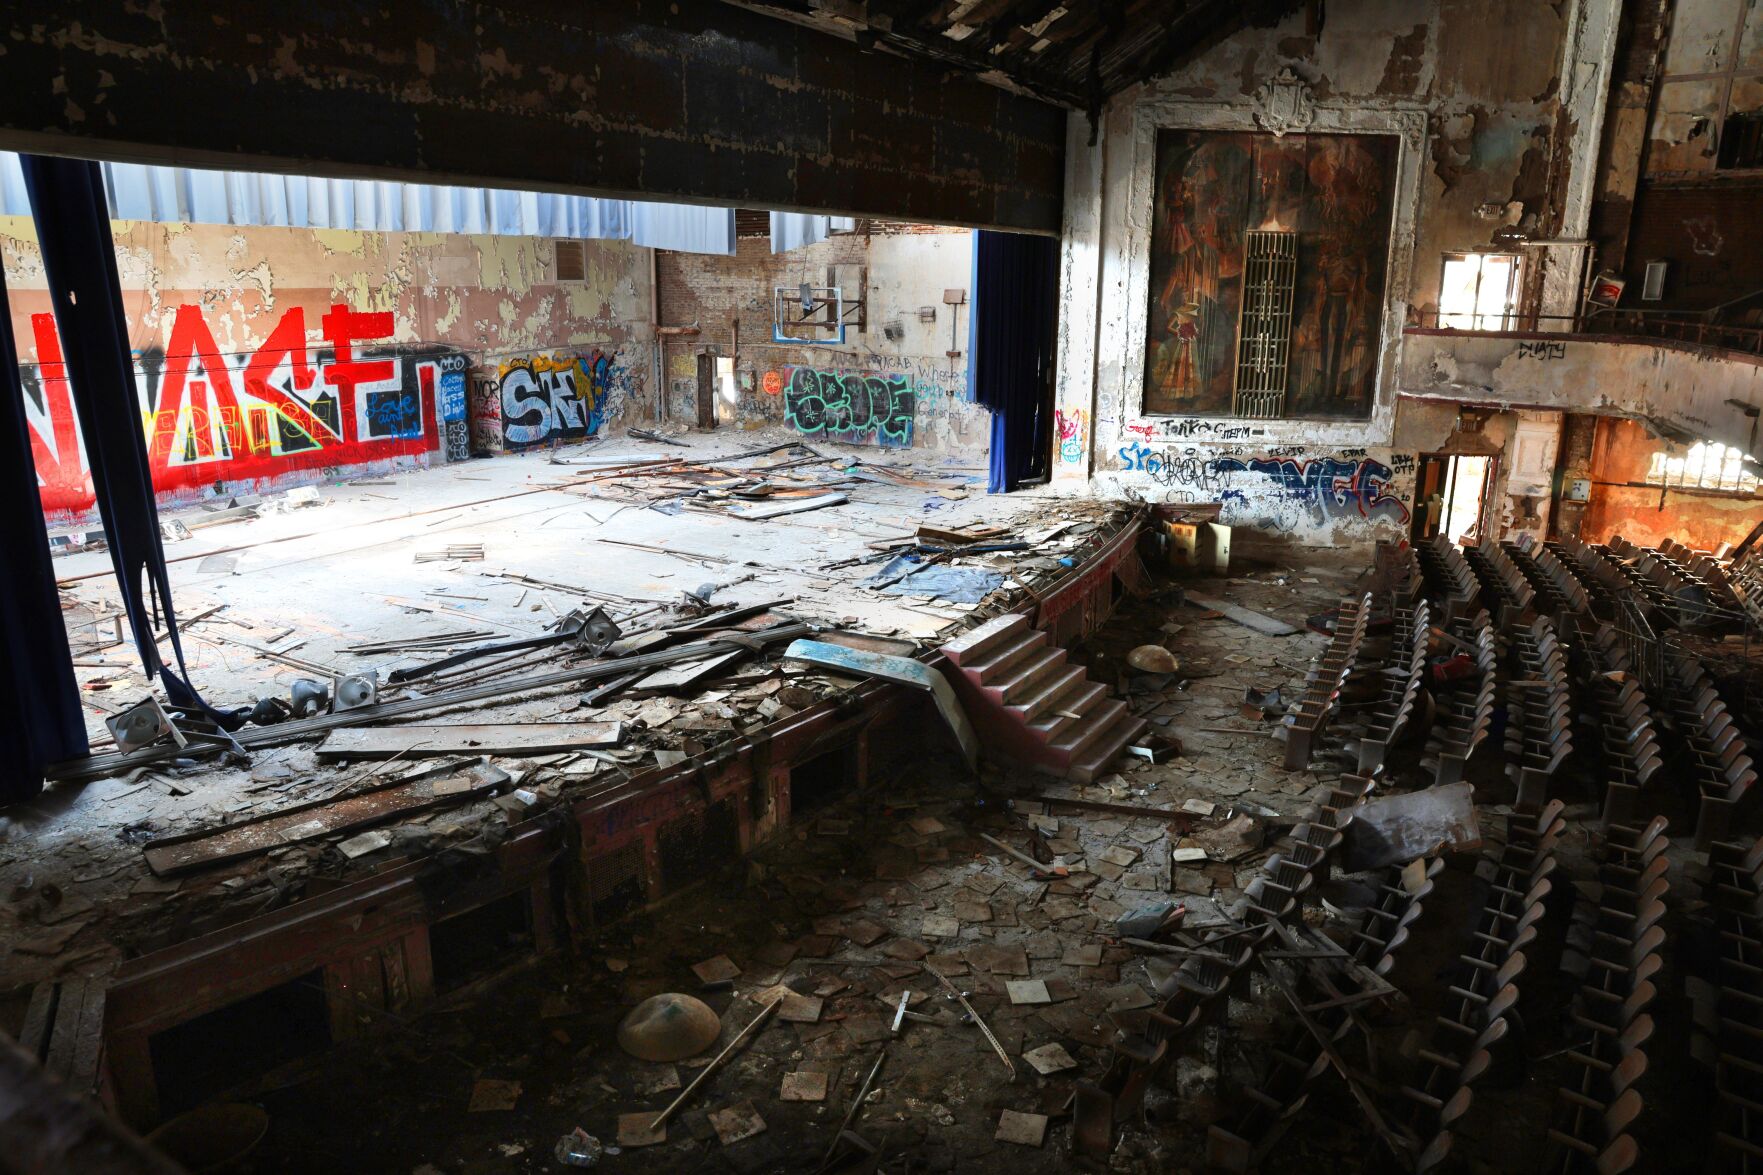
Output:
x=1213 y=188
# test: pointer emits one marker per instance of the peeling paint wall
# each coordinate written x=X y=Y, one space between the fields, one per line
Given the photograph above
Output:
x=891 y=383
x=1472 y=89
x=1623 y=504
x=213 y=311
x=1698 y=391
x=1690 y=211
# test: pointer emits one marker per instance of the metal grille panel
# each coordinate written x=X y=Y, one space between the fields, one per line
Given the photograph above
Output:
x=1264 y=332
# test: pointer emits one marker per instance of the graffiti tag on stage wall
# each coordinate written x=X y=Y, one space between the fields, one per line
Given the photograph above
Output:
x=1074 y=434
x=559 y=396
x=851 y=406
x=293 y=404
x=1276 y=490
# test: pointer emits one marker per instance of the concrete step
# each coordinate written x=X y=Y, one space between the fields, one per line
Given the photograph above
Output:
x=1004 y=657
x=1080 y=698
x=1027 y=676
x=1079 y=738
x=1096 y=762
x=977 y=643
x=1030 y=708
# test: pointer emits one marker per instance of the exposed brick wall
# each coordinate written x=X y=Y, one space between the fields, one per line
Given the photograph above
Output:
x=692 y=98
x=1710 y=232
x=909 y=266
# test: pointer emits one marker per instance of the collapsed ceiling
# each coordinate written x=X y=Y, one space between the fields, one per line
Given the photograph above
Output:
x=1076 y=53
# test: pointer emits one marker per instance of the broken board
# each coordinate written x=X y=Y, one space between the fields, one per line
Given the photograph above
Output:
x=1247 y=617
x=247 y=838
x=513 y=738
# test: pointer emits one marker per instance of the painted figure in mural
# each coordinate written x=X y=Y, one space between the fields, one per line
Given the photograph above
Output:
x=1197 y=268
x=1348 y=268
x=1211 y=188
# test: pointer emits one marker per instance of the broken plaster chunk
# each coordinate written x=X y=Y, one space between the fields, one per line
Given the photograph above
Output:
x=1049 y=1059
x=940 y=926
x=803 y=1085
x=491 y=1094
x=1089 y=955
x=1199 y=807
x=1022 y=1129
x=1028 y=991
x=800 y=1009
x=633 y=1129
x=367 y=842
x=719 y=969
x=736 y=1122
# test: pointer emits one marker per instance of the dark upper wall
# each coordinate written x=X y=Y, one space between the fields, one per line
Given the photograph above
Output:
x=689 y=100
x=1689 y=77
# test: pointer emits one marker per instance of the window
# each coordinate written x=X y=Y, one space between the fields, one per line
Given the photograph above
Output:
x=572 y=261
x=1479 y=291
x=1707 y=466
x=1741 y=140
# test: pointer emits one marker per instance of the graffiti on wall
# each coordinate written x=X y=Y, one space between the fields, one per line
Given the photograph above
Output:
x=1074 y=434
x=851 y=406
x=555 y=396
x=211 y=417
x=1281 y=490
x=450 y=393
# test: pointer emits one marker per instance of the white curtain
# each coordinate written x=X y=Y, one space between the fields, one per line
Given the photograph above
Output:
x=792 y=230
x=186 y=195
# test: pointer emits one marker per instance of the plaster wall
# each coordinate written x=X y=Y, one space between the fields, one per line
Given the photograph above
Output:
x=912 y=394
x=1623 y=504
x=1483 y=138
x=216 y=312
x=1695 y=392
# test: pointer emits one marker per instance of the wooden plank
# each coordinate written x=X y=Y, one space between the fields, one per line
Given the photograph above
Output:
x=98 y=766
x=1247 y=617
x=419 y=967
x=38 y=1016
x=339 y=999
x=794 y=506
x=246 y=838
x=88 y=1045
x=506 y=738
x=65 y=1030
x=368 y=988
x=397 y=982
x=681 y=676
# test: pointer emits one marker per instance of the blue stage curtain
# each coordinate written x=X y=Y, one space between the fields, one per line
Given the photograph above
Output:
x=79 y=260
x=1016 y=293
x=38 y=694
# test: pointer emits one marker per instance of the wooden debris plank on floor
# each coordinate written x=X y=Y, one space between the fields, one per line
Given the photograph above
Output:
x=506 y=738
x=246 y=838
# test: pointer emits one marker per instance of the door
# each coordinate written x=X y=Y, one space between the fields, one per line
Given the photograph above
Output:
x=1451 y=494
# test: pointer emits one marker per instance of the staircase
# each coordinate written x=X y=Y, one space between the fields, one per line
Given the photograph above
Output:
x=1031 y=706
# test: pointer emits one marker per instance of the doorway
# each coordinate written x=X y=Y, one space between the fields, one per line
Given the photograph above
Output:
x=1452 y=493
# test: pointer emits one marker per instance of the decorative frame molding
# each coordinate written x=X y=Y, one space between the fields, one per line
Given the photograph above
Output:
x=1155 y=112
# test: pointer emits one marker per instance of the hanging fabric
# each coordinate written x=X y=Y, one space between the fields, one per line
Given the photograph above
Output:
x=1011 y=351
x=79 y=261
x=188 y=195
x=792 y=230
x=38 y=693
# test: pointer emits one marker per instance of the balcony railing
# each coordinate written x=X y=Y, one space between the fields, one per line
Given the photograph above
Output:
x=1678 y=326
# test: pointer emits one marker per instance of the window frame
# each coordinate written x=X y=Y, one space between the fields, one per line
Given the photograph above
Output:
x=1725 y=459
x=1508 y=316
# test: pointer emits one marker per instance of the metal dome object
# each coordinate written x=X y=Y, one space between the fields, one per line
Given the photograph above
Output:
x=668 y=1027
